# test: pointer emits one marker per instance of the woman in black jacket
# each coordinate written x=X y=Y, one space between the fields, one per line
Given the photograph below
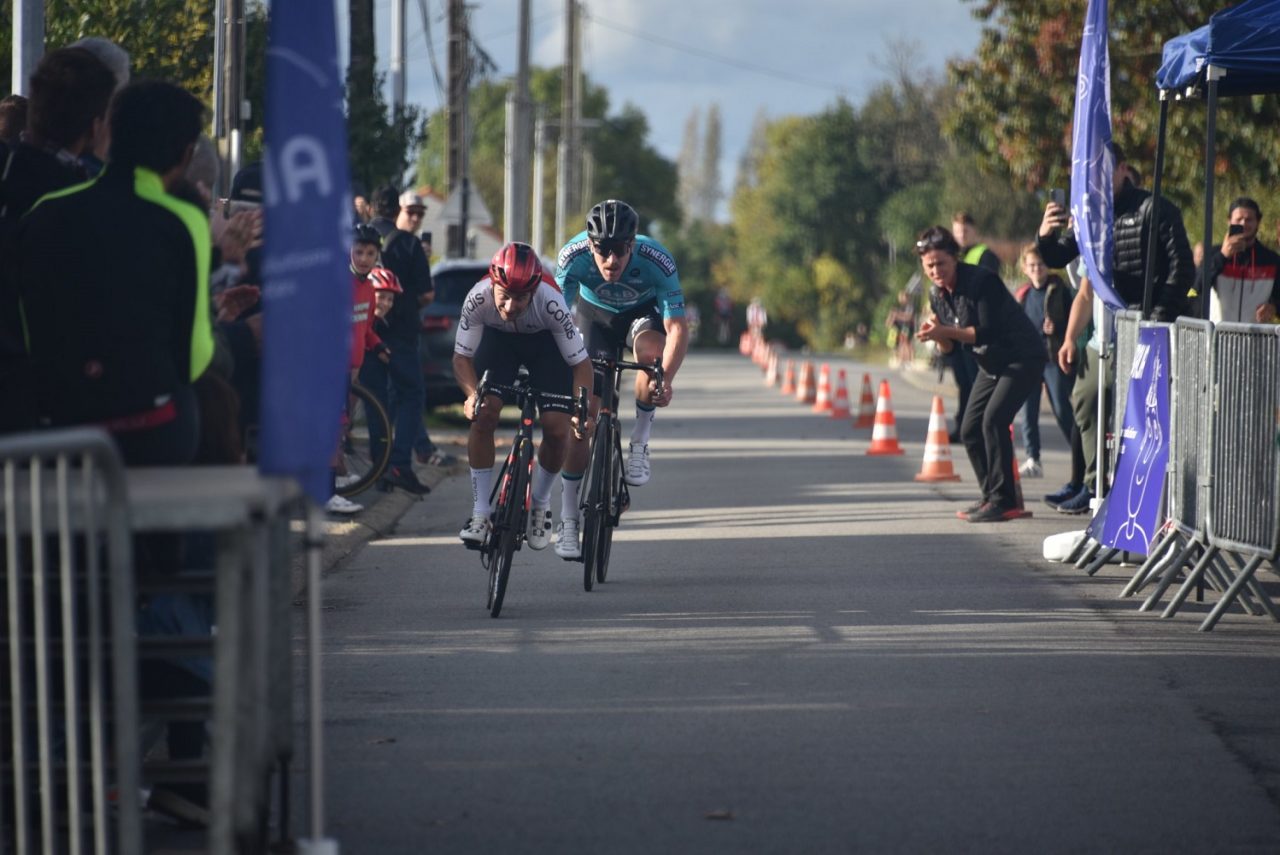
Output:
x=973 y=309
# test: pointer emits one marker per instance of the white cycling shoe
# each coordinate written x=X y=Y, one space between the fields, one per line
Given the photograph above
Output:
x=637 y=473
x=567 y=546
x=538 y=532
x=475 y=531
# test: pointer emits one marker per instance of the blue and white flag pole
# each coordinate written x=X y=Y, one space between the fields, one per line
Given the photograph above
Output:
x=1092 y=163
x=307 y=298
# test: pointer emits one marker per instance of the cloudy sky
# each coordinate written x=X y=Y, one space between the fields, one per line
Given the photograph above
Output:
x=669 y=57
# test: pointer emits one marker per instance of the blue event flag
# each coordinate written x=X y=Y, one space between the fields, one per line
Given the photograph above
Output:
x=1092 y=163
x=307 y=297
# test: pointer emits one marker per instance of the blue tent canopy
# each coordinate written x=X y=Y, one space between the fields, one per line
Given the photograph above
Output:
x=1243 y=41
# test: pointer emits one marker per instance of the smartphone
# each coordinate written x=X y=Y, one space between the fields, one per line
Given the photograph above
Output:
x=1235 y=229
x=231 y=207
x=1058 y=196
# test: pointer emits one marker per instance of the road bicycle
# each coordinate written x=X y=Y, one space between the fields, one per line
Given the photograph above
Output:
x=510 y=499
x=366 y=442
x=604 y=491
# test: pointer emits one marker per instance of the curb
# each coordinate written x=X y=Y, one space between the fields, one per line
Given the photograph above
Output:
x=344 y=538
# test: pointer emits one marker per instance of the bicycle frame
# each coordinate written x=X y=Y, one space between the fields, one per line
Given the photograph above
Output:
x=605 y=495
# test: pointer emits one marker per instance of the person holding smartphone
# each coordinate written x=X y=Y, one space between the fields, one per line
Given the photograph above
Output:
x=1240 y=275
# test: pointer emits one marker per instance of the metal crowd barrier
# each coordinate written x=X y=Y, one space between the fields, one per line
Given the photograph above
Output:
x=70 y=718
x=72 y=651
x=1243 y=514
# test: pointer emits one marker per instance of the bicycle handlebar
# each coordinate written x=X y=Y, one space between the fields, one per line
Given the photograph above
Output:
x=520 y=390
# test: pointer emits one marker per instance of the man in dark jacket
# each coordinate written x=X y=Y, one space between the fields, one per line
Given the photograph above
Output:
x=398 y=384
x=67 y=110
x=1174 y=274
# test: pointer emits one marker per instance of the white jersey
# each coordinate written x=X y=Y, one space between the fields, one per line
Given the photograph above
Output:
x=546 y=313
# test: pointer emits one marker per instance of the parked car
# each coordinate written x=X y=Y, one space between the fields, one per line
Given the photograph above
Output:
x=452 y=280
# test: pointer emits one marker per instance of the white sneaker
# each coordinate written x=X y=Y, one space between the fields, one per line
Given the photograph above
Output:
x=567 y=544
x=1031 y=469
x=345 y=481
x=339 y=505
x=538 y=532
x=476 y=529
x=637 y=465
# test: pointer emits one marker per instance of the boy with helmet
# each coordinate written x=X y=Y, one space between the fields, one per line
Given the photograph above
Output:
x=625 y=292
x=516 y=316
x=386 y=285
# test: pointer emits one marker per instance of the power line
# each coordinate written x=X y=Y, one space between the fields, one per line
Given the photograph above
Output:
x=724 y=60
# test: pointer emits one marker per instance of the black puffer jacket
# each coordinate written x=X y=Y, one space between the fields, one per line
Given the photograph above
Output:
x=1175 y=271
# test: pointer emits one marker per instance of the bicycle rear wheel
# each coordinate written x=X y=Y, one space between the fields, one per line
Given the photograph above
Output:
x=366 y=443
x=509 y=521
x=595 y=505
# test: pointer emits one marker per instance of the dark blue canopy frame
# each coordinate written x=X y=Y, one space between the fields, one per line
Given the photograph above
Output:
x=1236 y=53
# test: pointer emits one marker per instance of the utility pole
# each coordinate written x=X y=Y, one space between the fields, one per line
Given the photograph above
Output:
x=456 y=164
x=28 y=41
x=566 y=170
x=515 y=215
x=229 y=107
x=397 y=56
x=539 y=154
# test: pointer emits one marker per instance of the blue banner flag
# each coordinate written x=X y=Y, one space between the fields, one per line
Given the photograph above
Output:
x=307 y=297
x=1092 y=164
x=1134 y=510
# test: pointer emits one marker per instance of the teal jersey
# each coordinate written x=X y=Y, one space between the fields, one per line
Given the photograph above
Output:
x=650 y=277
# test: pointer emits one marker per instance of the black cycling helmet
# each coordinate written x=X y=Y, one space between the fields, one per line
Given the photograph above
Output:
x=612 y=219
x=367 y=234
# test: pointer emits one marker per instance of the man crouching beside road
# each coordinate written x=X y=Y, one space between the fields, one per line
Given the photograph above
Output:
x=516 y=316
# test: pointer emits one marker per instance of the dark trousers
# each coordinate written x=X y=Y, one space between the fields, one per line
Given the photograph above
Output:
x=965 y=370
x=993 y=403
x=1059 y=386
x=398 y=387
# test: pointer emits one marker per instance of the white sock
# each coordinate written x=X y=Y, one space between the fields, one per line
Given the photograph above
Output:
x=481 y=484
x=644 y=424
x=569 y=498
x=543 y=481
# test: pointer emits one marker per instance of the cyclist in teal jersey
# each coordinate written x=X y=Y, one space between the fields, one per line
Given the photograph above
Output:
x=625 y=292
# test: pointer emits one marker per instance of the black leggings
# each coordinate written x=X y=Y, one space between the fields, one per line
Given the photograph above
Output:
x=992 y=405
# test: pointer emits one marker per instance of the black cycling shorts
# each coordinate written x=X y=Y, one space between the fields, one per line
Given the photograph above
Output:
x=605 y=332
x=502 y=353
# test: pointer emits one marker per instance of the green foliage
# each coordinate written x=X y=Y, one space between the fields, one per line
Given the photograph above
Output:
x=1021 y=127
x=380 y=141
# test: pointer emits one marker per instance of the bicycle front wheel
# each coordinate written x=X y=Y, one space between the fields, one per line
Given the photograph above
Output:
x=366 y=443
x=510 y=520
x=612 y=510
x=595 y=504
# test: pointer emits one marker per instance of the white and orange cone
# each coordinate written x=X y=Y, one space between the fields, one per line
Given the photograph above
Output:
x=1020 y=511
x=937 y=464
x=840 y=403
x=805 y=391
x=884 y=435
x=822 y=401
x=789 y=379
x=866 y=405
x=771 y=373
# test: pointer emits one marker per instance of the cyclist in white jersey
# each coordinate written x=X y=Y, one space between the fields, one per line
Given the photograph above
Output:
x=517 y=316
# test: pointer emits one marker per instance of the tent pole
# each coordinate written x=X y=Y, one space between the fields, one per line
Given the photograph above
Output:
x=1149 y=270
x=1210 y=157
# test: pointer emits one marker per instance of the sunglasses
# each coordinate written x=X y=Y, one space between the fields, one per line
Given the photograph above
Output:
x=606 y=248
x=416 y=212
x=932 y=242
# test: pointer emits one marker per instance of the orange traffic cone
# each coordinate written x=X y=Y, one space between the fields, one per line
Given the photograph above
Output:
x=805 y=392
x=789 y=379
x=866 y=405
x=840 y=404
x=884 y=436
x=822 y=401
x=937 y=448
x=771 y=373
x=1020 y=511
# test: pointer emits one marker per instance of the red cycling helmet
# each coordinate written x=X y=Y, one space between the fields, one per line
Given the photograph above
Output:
x=516 y=268
x=384 y=280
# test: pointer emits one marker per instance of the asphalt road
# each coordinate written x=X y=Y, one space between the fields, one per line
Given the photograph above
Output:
x=800 y=649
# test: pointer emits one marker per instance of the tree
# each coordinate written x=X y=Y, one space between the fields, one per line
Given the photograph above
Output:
x=687 y=166
x=1022 y=128
x=709 y=173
